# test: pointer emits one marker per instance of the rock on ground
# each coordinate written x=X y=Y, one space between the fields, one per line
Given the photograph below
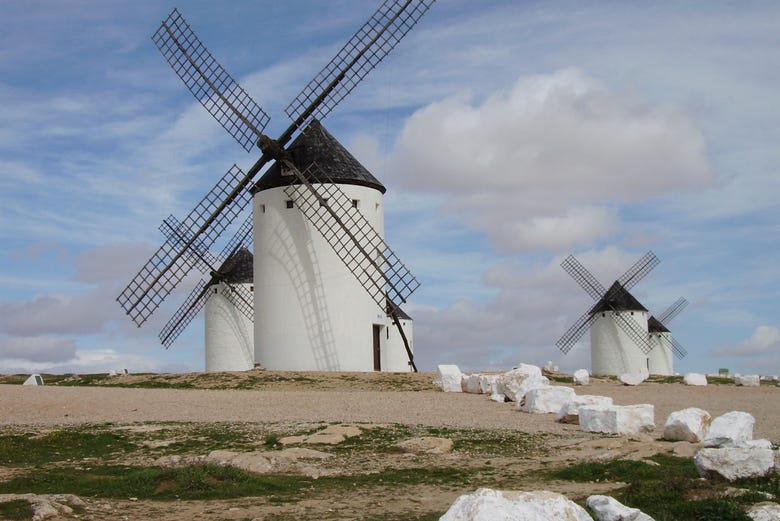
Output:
x=426 y=445
x=634 y=378
x=515 y=383
x=606 y=508
x=767 y=511
x=747 y=380
x=731 y=463
x=581 y=377
x=546 y=399
x=495 y=505
x=695 y=379
x=448 y=377
x=570 y=411
x=691 y=424
x=618 y=419
x=729 y=429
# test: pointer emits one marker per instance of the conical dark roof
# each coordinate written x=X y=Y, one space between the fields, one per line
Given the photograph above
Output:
x=655 y=326
x=238 y=268
x=315 y=144
x=617 y=298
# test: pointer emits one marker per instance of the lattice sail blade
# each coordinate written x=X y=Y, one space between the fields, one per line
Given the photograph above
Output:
x=575 y=332
x=672 y=311
x=175 y=233
x=185 y=314
x=173 y=261
x=352 y=237
x=639 y=270
x=241 y=297
x=678 y=350
x=583 y=277
x=242 y=237
x=637 y=335
x=209 y=82
x=369 y=46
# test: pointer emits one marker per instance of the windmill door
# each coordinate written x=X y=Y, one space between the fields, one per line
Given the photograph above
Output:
x=377 y=352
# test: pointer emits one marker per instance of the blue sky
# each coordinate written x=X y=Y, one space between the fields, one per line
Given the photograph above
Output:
x=509 y=134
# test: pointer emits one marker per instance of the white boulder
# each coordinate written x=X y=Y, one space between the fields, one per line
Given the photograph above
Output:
x=448 y=377
x=732 y=463
x=487 y=383
x=618 y=419
x=498 y=397
x=546 y=399
x=747 y=380
x=606 y=508
x=570 y=411
x=495 y=505
x=581 y=377
x=634 y=378
x=691 y=424
x=766 y=511
x=729 y=429
x=695 y=379
x=515 y=383
x=34 y=379
x=469 y=383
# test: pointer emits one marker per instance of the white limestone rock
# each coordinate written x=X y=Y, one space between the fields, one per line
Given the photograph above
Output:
x=730 y=428
x=495 y=505
x=607 y=508
x=570 y=411
x=767 y=511
x=448 y=378
x=691 y=424
x=634 y=378
x=34 y=379
x=515 y=383
x=747 y=380
x=488 y=383
x=618 y=419
x=732 y=463
x=581 y=377
x=695 y=379
x=754 y=444
x=469 y=383
x=498 y=397
x=546 y=399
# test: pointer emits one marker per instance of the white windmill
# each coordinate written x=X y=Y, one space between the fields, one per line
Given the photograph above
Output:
x=327 y=288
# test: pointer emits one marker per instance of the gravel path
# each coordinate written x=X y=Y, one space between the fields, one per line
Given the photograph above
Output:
x=25 y=405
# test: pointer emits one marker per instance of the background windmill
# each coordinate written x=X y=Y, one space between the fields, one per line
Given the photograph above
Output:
x=618 y=322
x=345 y=227
x=662 y=343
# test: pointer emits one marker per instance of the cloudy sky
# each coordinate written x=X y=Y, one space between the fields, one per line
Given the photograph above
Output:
x=509 y=134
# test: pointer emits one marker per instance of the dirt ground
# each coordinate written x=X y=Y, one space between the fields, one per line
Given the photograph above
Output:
x=292 y=400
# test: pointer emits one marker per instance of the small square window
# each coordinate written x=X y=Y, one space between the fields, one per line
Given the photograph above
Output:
x=355 y=203
x=324 y=201
x=289 y=203
x=262 y=208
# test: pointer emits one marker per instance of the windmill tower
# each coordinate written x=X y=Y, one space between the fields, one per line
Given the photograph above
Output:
x=618 y=322
x=663 y=346
x=323 y=200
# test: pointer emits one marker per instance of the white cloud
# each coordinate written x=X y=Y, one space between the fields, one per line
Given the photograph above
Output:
x=552 y=149
x=765 y=340
x=37 y=349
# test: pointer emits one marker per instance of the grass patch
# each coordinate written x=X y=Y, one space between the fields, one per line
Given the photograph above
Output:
x=672 y=490
x=18 y=509
x=16 y=449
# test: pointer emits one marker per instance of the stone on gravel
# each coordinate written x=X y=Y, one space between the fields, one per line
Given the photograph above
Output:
x=747 y=380
x=606 y=508
x=448 y=377
x=46 y=506
x=581 y=377
x=570 y=411
x=549 y=398
x=729 y=429
x=515 y=383
x=695 y=379
x=618 y=419
x=495 y=505
x=634 y=378
x=469 y=383
x=766 y=511
x=488 y=383
x=330 y=435
x=498 y=397
x=731 y=463
x=691 y=424
x=426 y=445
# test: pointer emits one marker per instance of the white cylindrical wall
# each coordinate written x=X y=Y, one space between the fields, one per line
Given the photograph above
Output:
x=311 y=313
x=394 y=355
x=612 y=352
x=660 y=357
x=229 y=334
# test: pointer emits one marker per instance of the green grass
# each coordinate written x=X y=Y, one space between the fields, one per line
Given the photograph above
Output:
x=18 y=509
x=61 y=445
x=672 y=490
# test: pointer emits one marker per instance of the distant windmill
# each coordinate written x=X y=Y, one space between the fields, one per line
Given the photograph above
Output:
x=661 y=341
x=328 y=289
x=618 y=322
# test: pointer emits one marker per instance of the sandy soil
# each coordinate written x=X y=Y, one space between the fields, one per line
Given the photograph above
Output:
x=367 y=399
